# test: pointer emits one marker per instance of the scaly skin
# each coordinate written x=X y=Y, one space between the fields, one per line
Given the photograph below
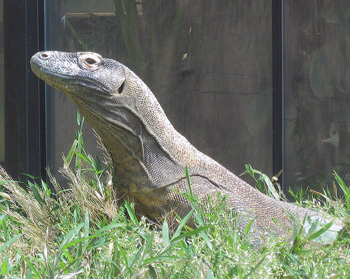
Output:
x=149 y=154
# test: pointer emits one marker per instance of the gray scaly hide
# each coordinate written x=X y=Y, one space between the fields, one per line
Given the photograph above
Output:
x=150 y=156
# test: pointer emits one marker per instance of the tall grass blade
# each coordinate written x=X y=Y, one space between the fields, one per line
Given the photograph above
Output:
x=248 y=227
x=320 y=232
x=165 y=232
x=35 y=191
x=206 y=240
x=4 y=266
x=271 y=189
x=86 y=228
x=182 y=224
x=345 y=189
x=115 y=269
x=148 y=245
x=188 y=177
x=210 y=274
x=135 y=257
x=131 y=213
x=122 y=252
x=70 y=155
x=159 y=258
x=254 y=268
x=188 y=234
x=70 y=235
x=32 y=268
x=8 y=243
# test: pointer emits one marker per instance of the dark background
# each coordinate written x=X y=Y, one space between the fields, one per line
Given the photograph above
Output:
x=259 y=82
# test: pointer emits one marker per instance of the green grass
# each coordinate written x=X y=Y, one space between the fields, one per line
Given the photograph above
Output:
x=80 y=231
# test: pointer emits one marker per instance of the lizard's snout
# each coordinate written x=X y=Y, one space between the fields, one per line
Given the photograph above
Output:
x=39 y=57
x=43 y=55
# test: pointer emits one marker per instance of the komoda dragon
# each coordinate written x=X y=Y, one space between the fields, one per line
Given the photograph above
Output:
x=150 y=156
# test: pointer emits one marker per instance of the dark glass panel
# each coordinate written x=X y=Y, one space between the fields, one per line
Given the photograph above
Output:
x=209 y=63
x=317 y=91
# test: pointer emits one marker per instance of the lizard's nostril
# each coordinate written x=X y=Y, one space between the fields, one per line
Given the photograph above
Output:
x=44 y=55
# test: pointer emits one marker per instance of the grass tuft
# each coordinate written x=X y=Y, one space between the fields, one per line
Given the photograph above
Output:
x=80 y=231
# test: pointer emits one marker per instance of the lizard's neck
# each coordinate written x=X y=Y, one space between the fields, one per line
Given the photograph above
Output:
x=146 y=156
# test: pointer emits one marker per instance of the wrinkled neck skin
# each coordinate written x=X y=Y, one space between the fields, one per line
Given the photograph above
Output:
x=140 y=139
x=147 y=151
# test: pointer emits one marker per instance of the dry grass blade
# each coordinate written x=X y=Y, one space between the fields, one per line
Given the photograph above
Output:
x=39 y=215
x=87 y=197
x=36 y=218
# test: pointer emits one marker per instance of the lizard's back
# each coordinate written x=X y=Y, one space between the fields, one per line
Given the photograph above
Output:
x=150 y=156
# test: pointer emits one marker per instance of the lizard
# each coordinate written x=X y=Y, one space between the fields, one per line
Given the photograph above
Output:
x=149 y=155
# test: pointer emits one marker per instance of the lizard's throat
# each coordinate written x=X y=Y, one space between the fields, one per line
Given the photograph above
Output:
x=139 y=158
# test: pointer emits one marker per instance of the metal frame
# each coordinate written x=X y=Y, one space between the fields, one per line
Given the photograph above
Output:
x=278 y=89
x=24 y=94
x=25 y=101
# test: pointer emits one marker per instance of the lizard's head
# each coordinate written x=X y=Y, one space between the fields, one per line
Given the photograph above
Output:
x=115 y=102
x=103 y=89
x=100 y=85
x=80 y=73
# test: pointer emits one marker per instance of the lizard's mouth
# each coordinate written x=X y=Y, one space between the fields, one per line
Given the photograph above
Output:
x=64 y=81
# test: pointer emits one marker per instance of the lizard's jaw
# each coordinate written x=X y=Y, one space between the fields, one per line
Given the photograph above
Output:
x=68 y=80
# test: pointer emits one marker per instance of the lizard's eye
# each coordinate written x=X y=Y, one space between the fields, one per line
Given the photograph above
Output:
x=89 y=60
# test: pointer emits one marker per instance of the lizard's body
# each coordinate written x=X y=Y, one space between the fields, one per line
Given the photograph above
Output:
x=149 y=154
